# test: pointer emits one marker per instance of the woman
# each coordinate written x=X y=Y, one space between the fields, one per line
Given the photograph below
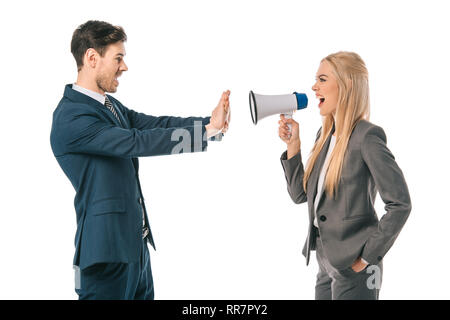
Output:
x=348 y=164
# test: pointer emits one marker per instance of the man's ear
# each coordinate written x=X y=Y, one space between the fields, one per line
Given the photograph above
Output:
x=91 y=57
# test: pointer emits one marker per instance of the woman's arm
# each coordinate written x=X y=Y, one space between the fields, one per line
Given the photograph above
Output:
x=293 y=171
x=291 y=160
x=393 y=191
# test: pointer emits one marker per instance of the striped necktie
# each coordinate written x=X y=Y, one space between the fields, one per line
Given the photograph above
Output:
x=110 y=106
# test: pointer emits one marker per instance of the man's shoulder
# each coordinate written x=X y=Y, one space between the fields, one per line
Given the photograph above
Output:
x=67 y=106
x=68 y=109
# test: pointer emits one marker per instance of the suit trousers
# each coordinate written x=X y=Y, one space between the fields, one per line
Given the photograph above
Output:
x=345 y=284
x=118 y=281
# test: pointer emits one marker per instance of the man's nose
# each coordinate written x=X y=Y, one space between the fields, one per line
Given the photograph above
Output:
x=124 y=67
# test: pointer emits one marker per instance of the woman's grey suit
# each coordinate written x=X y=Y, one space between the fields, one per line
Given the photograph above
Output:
x=348 y=225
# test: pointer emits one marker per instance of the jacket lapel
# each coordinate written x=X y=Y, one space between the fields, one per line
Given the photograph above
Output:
x=123 y=121
x=110 y=115
x=124 y=124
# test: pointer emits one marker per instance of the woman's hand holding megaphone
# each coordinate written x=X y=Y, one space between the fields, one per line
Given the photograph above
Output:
x=291 y=138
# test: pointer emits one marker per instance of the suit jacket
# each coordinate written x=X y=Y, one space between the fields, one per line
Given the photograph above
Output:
x=99 y=156
x=348 y=224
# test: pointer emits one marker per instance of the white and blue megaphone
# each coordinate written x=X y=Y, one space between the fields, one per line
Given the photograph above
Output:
x=262 y=106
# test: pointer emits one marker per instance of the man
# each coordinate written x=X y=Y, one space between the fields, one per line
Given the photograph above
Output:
x=96 y=141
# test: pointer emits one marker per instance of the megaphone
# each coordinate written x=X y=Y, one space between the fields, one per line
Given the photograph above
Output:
x=262 y=106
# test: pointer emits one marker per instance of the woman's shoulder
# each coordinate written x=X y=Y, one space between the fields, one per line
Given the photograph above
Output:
x=365 y=128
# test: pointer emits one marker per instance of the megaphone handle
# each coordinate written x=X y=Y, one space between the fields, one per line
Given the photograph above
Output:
x=289 y=116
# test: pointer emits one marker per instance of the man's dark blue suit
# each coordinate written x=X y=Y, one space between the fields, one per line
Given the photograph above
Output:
x=99 y=156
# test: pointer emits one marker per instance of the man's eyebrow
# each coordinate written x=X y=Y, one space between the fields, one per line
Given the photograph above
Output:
x=120 y=54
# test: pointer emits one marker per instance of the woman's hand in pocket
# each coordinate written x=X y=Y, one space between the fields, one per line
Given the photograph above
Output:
x=359 y=265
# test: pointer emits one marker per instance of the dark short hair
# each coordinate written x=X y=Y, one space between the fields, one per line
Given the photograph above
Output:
x=97 y=35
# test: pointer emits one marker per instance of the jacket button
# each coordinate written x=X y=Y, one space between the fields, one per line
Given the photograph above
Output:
x=379 y=258
x=323 y=218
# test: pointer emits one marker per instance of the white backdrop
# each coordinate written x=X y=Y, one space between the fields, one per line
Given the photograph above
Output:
x=224 y=225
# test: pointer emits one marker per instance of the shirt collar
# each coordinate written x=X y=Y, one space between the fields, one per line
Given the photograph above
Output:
x=94 y=95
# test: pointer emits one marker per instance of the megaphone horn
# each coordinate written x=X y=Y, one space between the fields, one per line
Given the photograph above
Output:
x=262 y=106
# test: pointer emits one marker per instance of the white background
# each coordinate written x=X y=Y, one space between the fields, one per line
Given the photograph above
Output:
x=224 y=225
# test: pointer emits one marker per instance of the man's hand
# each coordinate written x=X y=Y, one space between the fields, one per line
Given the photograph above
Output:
x=220 y=117
x=359 y=265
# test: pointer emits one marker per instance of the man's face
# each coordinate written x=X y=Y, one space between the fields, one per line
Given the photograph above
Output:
x=110 y=67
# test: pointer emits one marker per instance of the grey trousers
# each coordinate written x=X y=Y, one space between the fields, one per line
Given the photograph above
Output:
x=346 y=284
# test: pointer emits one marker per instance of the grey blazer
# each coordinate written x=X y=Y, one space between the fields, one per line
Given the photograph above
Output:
x=348 y=224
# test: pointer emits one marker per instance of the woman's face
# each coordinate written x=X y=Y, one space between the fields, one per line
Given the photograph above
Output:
x=326 y=89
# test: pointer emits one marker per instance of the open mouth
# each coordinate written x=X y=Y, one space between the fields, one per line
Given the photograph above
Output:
x=117 y=77
x=322 y=100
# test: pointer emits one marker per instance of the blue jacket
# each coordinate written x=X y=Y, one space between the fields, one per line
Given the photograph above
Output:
x=99 y=156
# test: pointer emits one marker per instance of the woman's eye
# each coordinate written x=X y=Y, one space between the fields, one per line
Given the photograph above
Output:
x=322 y=80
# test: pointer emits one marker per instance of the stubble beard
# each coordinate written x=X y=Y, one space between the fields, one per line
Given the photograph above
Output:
x=105 y=84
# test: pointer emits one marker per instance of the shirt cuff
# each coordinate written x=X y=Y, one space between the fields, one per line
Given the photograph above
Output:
x=217 y=137
x=213 y=132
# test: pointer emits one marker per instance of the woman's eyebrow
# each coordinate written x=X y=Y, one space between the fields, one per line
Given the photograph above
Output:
x=322 y=75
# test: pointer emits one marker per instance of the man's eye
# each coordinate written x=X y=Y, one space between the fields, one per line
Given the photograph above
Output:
x=118 y=59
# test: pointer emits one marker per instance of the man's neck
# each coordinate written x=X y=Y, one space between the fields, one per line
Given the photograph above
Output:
x=88 y=83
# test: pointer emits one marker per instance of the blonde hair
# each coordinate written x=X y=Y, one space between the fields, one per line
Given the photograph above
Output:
x=353 y=105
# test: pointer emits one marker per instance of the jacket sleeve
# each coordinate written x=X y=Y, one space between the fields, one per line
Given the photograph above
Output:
x=83 y=130
x=142 y=121
x=393 y=191
x=293 y=171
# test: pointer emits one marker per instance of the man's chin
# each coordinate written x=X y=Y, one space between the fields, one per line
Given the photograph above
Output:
x=112 y=89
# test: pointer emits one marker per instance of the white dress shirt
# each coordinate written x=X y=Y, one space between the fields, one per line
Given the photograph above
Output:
x=94 y=95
